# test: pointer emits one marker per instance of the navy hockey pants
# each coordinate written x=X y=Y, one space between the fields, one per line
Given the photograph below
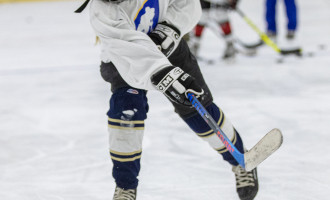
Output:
x=291 y=12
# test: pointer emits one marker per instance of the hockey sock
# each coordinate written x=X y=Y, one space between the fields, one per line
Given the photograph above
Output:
x=128 y=110
x=199 y=30
x=226 y=28
x=201 y=128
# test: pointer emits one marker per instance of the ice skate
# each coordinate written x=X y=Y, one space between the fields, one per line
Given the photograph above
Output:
x=290 y=35
x=272 y=36
x=291 y=43
x=122 y=194
x=230 y=52
x=246 y=183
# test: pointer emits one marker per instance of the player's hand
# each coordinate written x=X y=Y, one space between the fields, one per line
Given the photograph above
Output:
x=166 y=37
x=176 y=84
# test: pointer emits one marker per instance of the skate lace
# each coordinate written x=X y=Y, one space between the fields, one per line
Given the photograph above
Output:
x=243 y=178
x=122 y=194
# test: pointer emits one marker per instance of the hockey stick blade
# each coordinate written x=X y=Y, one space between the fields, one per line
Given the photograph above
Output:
x=297 y=52
x=250 y=46
x=263 y=149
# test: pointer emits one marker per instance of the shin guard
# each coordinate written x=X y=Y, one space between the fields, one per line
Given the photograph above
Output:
x=201 y=128
x=128 y=110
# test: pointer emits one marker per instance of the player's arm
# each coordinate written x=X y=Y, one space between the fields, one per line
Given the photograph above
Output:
x=181 y=16
x=134 y=54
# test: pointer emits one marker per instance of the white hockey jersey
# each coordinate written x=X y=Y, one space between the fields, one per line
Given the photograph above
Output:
x=218 y=1
x=123 y=28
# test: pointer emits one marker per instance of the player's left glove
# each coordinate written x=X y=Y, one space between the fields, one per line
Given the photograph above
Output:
x=166 y=37
x=176 y=84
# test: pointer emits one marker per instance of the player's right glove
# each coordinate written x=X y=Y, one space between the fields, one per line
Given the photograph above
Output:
x=176 y=84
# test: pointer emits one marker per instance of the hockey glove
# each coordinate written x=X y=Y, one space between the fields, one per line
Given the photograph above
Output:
x=166 y=37
x=176 y=84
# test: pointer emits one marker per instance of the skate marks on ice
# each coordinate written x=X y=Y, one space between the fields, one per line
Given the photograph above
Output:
x=193 y=169
x=218 y=60
x=298 y=56
x=45 y=151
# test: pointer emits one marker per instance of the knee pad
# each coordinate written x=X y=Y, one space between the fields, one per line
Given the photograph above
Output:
x=128 y=110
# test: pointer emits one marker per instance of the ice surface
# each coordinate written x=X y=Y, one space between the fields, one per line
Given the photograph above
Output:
x=53 y=123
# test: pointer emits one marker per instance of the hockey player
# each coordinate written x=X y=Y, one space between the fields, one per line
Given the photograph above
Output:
x=291 y=12
x=215 y=11
x=142 y=49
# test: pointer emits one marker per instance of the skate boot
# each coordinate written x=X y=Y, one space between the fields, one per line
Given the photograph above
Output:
x=122 y=194
x=246 y=183
x=291 y=43
x=230 y=51
x=290 y=35
x=272 y=35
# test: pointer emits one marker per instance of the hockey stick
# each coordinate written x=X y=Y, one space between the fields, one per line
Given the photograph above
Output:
x=248 y=160
x=261 y=34
x=82 y=7
x=266 y=39
x=249 y=46
x=250 y=49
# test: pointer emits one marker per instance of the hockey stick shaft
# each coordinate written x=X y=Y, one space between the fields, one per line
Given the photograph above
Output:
x=262 y=35
x=239 y=157
x=216 y=30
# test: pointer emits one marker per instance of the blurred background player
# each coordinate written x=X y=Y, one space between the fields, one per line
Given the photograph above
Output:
x=291 y=12
x=214 y=11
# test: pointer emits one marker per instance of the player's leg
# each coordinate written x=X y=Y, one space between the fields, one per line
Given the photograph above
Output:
x=184 y=59
x=271 y=18
x=195 y=38
x=222 y=19
x=195 y=35
x=128 y=110
x=246 y=182
x=201 y=128
x=291 y=11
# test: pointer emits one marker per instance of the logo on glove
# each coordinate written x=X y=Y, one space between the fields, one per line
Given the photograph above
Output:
x=162 y=86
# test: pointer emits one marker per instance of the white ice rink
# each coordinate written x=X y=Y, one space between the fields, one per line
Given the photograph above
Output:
x=53 y=104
